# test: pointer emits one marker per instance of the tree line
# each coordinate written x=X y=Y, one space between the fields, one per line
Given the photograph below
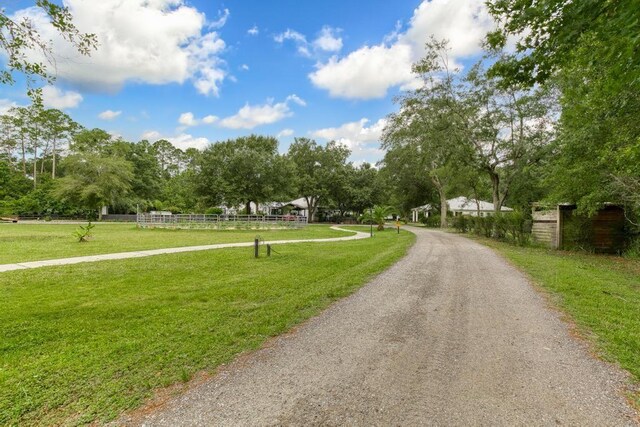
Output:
x=51 y=165
x=550 y=114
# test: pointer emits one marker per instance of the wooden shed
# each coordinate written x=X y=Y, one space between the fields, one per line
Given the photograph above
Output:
x=561 y=227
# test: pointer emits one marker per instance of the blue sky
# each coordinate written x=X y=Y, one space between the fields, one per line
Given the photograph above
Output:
x=196 y=72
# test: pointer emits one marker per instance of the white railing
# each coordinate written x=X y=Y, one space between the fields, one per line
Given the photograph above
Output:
x=221 y=221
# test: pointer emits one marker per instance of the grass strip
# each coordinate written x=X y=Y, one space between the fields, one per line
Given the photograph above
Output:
x=35 y=242
x=600 y=293
x=82 y=343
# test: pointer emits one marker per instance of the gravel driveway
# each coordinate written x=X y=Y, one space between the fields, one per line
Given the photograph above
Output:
x=450 y=335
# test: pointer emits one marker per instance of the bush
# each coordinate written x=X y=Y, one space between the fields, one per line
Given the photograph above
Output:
x=462 y=223
x=432 y=221
x=214 y=211
x=577 y=232
x=633 y=250
x=510 y=226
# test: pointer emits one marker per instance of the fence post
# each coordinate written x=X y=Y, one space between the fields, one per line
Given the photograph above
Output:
x=256 y=247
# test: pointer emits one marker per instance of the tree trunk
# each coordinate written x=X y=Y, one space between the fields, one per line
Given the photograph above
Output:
x=53 y=164
x=443 y=200
x=312 y=206
x=495 y=184
x=249 y=207
x=35 y=167
x=24 y=158
x=443 y=208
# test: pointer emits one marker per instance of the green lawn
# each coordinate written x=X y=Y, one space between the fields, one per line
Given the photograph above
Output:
x=600 y=293
x=35 y=242
x=84 y=342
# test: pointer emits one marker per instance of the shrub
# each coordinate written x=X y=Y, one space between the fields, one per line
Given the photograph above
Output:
x=214 y=211
x=432 y=221
x=83 y=234
x=462 y=223
x=633 y=250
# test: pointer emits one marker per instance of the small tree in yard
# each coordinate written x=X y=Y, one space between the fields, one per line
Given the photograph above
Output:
x=378 y=215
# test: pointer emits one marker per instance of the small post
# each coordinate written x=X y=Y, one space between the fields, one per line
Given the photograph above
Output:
x=371 y=222
x=256 y=247
x=398 y=225
x=268 y=249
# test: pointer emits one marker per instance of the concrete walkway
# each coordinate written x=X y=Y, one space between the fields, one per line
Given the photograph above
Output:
x=139 y=254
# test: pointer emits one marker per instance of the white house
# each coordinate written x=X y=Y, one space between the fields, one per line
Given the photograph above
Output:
x=461 y=206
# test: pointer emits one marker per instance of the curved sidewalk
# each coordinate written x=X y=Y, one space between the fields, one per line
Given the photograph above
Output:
x=139 y=254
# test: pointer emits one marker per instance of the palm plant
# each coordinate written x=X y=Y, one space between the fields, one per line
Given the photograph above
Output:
x=378 y=214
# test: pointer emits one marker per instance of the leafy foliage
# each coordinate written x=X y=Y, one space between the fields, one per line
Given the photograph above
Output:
x=17 y=37
x=84 y=233
x=243 y=170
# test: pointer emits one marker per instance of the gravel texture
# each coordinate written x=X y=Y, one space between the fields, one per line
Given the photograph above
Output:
x=450 y=335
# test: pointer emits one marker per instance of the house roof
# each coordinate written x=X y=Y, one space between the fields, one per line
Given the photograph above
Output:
x=300 y=203
x=460 y=204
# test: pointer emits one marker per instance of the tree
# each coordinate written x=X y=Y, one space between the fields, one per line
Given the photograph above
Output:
x=94 y=141
x=378 y=214
x=425 y=127
x=548 y=32
x=243 y=170
x=17 y=38
x=508 y=127
x=92 y=181
x=356 y=188
x=316 y=169
x=58 y=128
x=589 y=49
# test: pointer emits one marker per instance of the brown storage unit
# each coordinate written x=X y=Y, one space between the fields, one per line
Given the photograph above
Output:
x=562 y=228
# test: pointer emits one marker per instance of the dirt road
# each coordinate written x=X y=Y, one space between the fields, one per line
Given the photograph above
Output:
x=451 y=335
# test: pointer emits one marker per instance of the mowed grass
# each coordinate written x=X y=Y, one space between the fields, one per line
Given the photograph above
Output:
x=82 y=343
x=35 y=242
x=600 y=293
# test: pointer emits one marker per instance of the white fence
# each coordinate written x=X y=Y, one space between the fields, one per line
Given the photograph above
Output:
x=220 y=222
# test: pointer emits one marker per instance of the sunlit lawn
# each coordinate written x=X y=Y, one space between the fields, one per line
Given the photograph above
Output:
x=34 y=242
x=85 y=342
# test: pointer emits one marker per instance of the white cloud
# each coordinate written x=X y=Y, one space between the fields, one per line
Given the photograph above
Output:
x=151 y=135
x=250 y=116
x=328 y=40
x=370 y=71
x=187 y=119
x=109 y=114
x=299 y=39
x=222 y=19
x=367 y=72
x=253 y=31
x=53 y=97
x=295 y=98
x=148 y=41
x=184 y=141
x=464 y=23
x=244 y=67
x=353 y=131
x=363 y=141
x=181 y=141
x=210 y=119
x=284 y=133
x=290 y=35
x=6 y=105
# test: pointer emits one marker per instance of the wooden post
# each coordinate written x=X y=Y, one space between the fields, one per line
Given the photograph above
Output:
x=559 y=226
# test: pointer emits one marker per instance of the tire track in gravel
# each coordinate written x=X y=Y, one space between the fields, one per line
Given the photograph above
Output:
x=450 y=335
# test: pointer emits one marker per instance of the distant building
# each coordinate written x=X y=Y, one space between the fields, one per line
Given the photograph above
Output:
x=461 y=206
